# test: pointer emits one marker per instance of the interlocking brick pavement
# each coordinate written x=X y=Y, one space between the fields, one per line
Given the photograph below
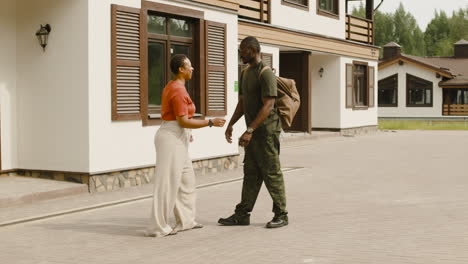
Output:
x=386 y=198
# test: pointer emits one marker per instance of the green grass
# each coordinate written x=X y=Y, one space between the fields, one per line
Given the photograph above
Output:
x=423 y=125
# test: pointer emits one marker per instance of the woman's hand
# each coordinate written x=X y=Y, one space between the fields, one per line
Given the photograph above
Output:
x=218 y=122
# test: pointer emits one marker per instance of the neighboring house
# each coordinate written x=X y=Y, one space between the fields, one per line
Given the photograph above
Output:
x=423 y=87
x=87 y=107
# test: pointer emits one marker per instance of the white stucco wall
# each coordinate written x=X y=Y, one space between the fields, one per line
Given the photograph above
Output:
x=8 y=113
x=125 y=144
x=325 y=91
x=357 y=118
x=275 y=51
x=52 y=92
x=402 y=110
x=308 y=20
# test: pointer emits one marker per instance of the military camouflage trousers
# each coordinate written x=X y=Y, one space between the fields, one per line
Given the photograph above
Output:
x=262 y=164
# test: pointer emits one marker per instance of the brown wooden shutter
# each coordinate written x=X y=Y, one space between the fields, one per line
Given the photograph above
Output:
x=371 y=78
x=215 y=69
x=349 y=85
x=126 y=69
x=267 y=59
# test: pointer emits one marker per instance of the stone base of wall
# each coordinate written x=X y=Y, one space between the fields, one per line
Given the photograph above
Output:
x=54 y=175
x=128 y=178
x=356 y=131
x=353 y=131
x=122 y=179
x=6 y=174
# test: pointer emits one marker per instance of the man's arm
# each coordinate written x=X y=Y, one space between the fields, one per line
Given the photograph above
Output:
x=238 y=113
x=268 y=104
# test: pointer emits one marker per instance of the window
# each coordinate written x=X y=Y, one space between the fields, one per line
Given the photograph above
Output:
x=419 y=92
x=141 y=56
x=457 y=96
x=359 y=85
x=303 y=4
x=167 y=36
x=388 y=91
x=267 y=58
x=328 y=8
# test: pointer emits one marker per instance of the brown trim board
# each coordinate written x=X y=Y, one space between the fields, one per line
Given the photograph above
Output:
x=385 y=64
x=307 y=41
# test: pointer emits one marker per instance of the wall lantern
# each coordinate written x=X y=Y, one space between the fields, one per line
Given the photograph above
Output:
x=43 y=34
x=321 y=72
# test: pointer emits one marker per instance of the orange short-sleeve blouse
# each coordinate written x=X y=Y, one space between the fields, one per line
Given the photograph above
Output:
x=176 y=102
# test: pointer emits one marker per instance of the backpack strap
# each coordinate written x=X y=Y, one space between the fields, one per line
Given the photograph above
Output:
x=262 y=70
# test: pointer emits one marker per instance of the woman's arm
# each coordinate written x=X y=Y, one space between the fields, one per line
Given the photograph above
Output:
x=186 y=122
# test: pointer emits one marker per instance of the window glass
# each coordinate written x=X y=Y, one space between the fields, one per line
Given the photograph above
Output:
x=388 y=91
x=180 y=28
x=328 y=5
x=184 y=49
x=156 y=73
x=360 y=85
x=419 y=91
x=170 y=36
x=156 y=24
x=300 y=2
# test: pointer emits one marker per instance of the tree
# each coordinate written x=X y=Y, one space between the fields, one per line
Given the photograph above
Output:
x=401 y=27
x=443 y=31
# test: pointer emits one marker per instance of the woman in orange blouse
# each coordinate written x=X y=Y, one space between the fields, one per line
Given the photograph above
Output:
x=174 y=180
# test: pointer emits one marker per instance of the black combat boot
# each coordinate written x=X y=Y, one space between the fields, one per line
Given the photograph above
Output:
x=235 y=219
x=278 y=221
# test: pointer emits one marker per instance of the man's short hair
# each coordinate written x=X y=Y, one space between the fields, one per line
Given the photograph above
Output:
x=251 y=42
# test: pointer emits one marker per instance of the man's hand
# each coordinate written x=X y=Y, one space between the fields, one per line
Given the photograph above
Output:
x=244 y=140
x=228 y=134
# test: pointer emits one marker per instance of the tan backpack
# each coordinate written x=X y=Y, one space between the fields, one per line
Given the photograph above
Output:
x=288 y=100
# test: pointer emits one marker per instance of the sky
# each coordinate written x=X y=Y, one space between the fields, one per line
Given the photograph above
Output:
x=422 y=10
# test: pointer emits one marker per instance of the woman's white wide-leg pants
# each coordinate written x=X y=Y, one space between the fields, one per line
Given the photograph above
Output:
x=174 y=181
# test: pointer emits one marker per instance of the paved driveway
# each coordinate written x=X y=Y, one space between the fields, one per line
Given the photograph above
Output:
x=392 y=197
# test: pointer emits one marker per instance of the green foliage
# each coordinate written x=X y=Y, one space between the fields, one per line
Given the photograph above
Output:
x=401 y=27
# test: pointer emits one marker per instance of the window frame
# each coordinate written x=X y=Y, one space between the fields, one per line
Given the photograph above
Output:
x=292 y=3
x=366 y=84
x=350 y=102
x=197 y=47
x=327 y=13
x=408 y=79
x=394 y=88
x=169 y=40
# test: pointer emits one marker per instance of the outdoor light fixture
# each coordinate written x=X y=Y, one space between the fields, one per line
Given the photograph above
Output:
x=42 y=35
x=321 y=72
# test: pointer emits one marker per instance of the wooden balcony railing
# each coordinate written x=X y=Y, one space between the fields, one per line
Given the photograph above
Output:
x=257 y=10
x=455 y=109
x=359 y=29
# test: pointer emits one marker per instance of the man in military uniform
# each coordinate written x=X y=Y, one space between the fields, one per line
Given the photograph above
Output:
x=257 y=95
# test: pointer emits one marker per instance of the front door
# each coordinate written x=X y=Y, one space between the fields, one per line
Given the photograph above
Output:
x=295 y=65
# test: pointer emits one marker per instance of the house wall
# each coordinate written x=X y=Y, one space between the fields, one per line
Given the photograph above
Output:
x=351 y=117
x=52 y=94
x=123 y=144
x=8 y=113
x=402 y=110
x=275 y=52
x=326 y=91
x=307 y=20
